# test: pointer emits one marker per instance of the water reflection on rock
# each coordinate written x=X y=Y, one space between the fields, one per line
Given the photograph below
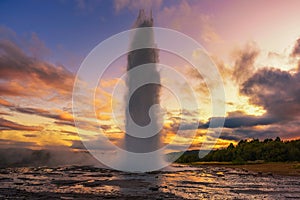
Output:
x=176 y=182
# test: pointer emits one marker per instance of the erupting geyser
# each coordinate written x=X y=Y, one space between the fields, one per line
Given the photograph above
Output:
x=143 y=106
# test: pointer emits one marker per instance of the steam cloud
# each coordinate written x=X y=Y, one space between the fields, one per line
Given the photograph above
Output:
x=145 y=96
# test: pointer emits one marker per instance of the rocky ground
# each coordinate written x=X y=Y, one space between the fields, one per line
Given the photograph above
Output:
x=178 y=182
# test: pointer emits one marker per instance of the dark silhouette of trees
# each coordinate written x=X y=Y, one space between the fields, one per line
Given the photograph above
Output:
x=268 y=150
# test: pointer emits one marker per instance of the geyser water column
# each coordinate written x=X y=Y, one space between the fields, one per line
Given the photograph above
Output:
x=143 y=109
x=141 y=150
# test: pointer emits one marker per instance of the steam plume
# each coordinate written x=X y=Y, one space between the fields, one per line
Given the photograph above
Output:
x=147 y=95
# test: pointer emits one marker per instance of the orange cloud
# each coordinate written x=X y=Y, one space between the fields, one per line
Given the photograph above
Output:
x=9 y=125
x=65 y=116
x=23 y=75
x=5 y=103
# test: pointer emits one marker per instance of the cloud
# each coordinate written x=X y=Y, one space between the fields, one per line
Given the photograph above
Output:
x=276 y=91
x=242 y=121
x=232 y=121
x=285 y=130
x=9 y=125
x=5 y=103
x=258 y=127
x=29 y=135
x=62 y=117
x=106 y=127
x=4 y=113
x=188 y=18
x=238 y=126
x=63 y=123
x=35 y=111
x=36 y=47
x=8 y=33
x=244 y=63
x=6 y=143
x=242 y=133
x=230 y=136
x=27 y=79
x=69 y=133
x=134 y=5
x=296 y=50
x=77 y=144
x=296 y=53
x=58 y=114
x=13 y=89
x=22 y=75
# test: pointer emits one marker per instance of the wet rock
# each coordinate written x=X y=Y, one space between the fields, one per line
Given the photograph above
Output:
x=33 y=173
x=4 y=171
x=260 y=173
x=245 y=170
x=173 y=185
x=155 y=188
x=220 y=174
x=270 y=174
x=195 y=183
x=55 y=174
x=65 y=182
x=153 y=172
x=100 y=175
x=24 y=179
x=66 y=198
x=4 y=179
x=93 y=184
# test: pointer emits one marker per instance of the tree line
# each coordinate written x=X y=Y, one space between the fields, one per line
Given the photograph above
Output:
x=268 y=150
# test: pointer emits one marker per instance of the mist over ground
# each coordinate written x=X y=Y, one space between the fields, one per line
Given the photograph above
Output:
x=23 y=157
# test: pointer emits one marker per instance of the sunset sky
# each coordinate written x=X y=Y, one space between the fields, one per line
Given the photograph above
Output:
x=255 y=45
